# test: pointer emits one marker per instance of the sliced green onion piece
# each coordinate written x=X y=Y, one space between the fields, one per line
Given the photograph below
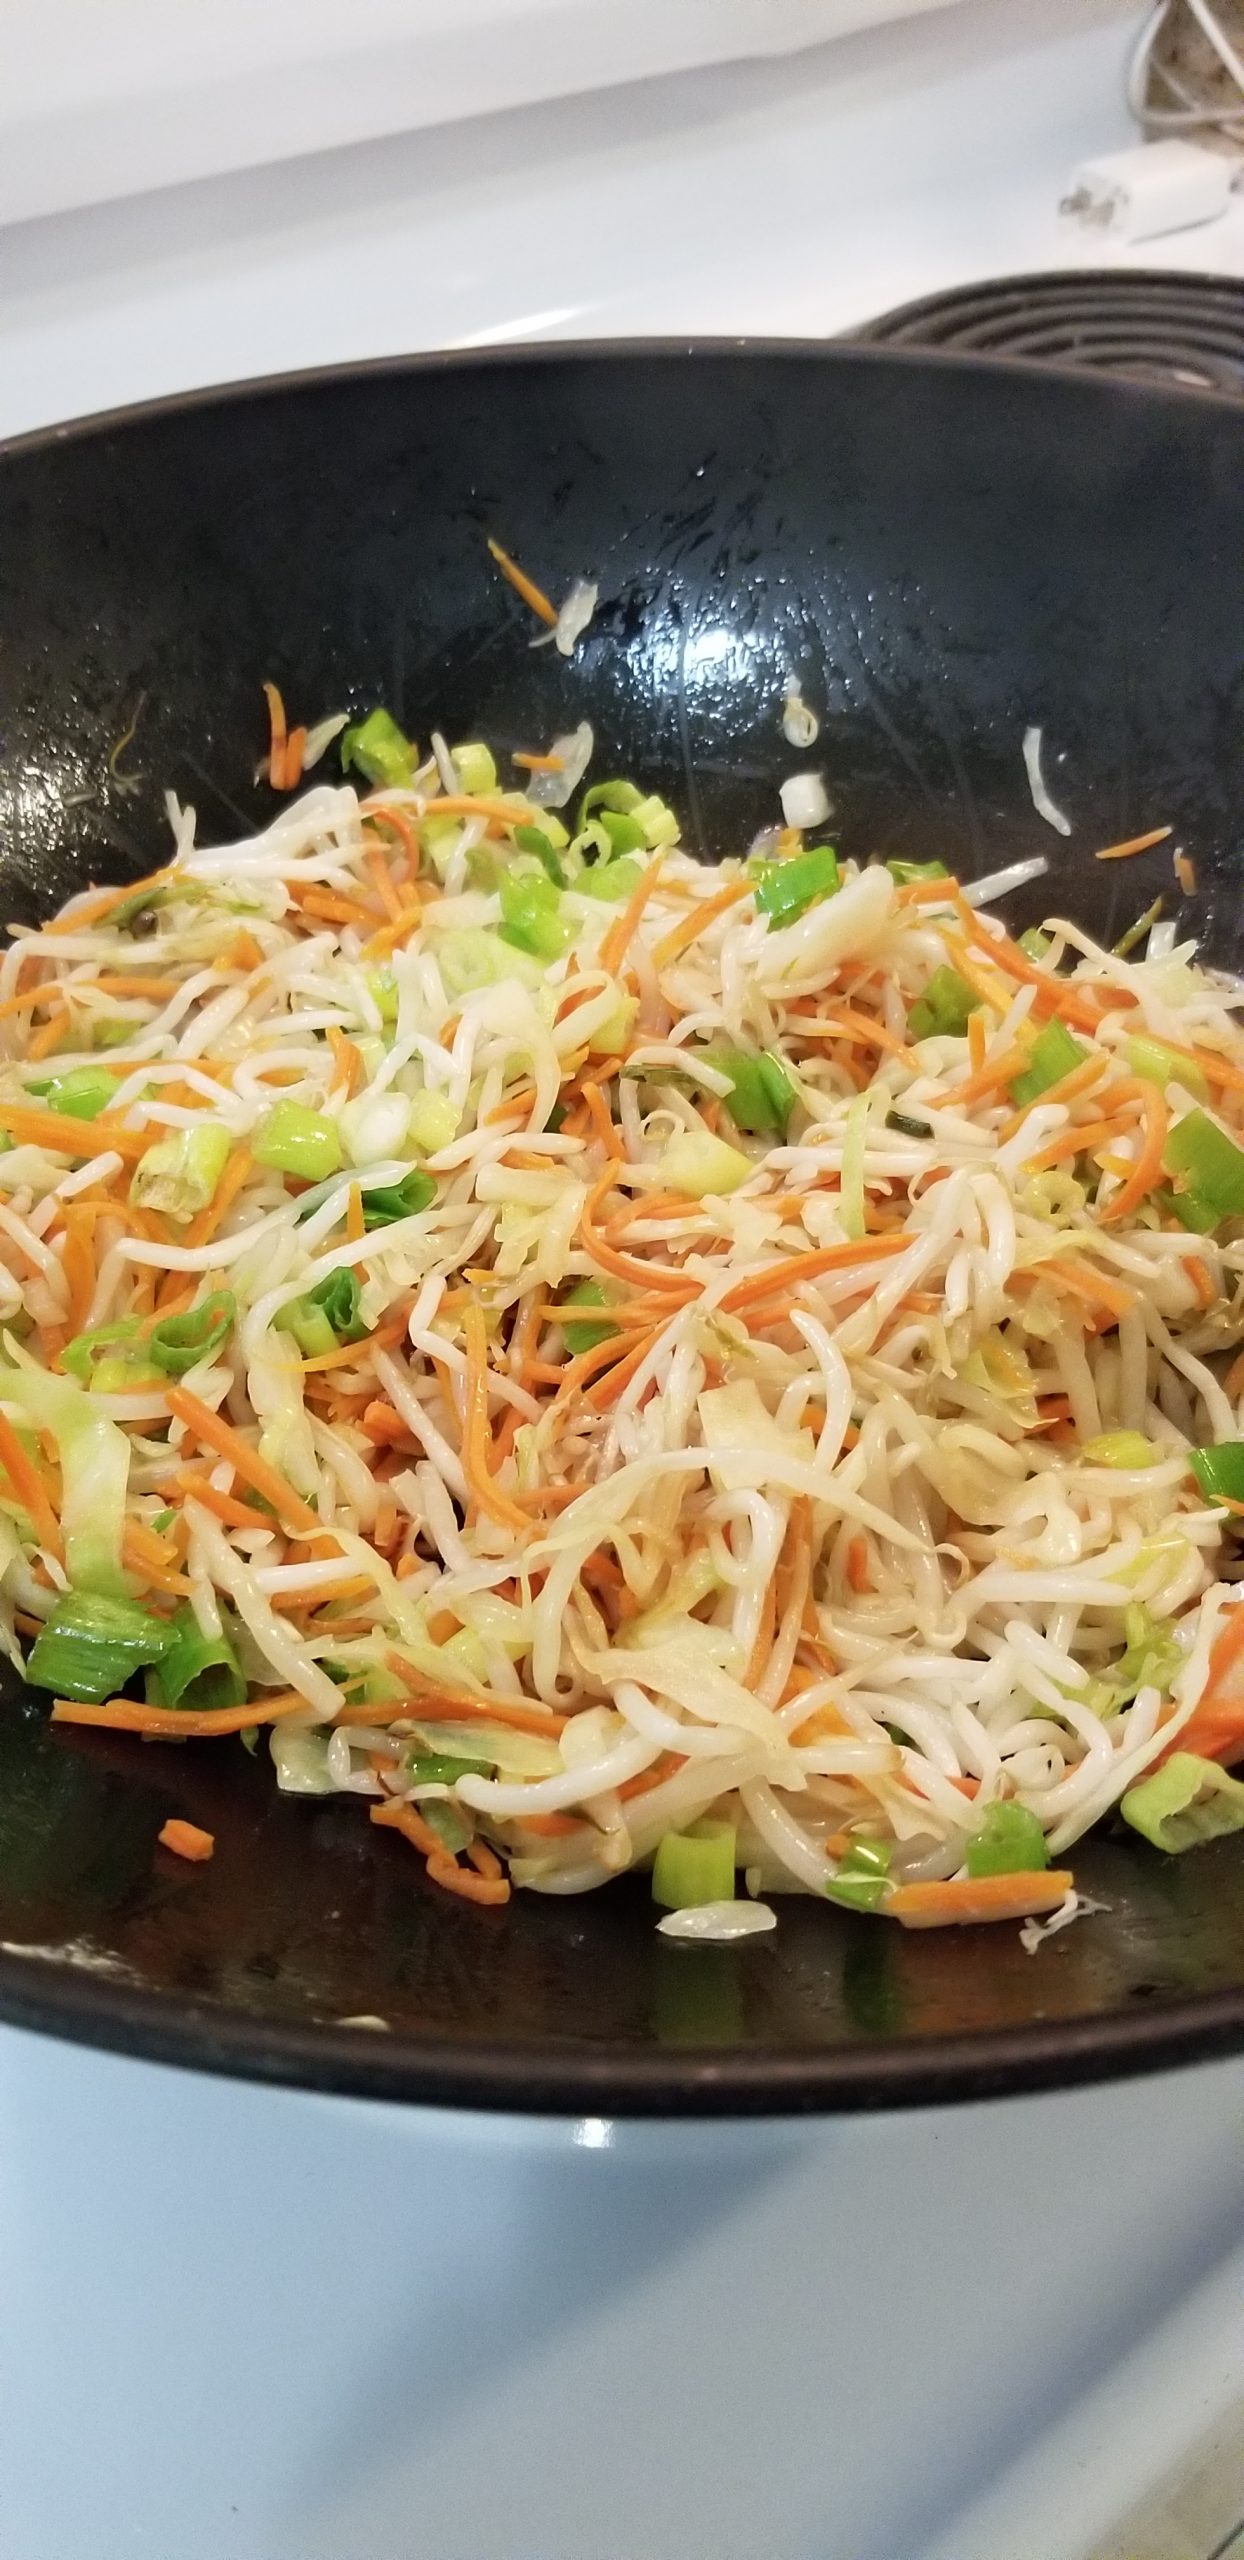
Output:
x=1212 y=1167
x=83 y=1093
x=198 y=1673
x=178 y=1177
x=377 y=749
x=1120 y=1449
x=1220 y=1471
x=1154 y=1063
x=382 y=988
x=785 y=890
x=1035 y=944
x=1055 y=1051
x=1136 y=932
x=534 y=840
x=695 y=1866
x=441 y=1769
x=1152 y=1657
x=1007 y=1841
x=861 y=1880
x=178 y=1343
x=308 y=1326
x=761 y=1097
x=944 y=1010
x=338 y=1295
x=291 y=1139
x=626 y=834
x=611 y=881
x=703 y=1166
x=475 y=766
x=1186 y=1801
x=619 y=796
x=905 y=872
x=854 y=1147
x=531 y=915
x=585 y=1337
x=91 y=1645
x=394 y=1200
x=81 y=1356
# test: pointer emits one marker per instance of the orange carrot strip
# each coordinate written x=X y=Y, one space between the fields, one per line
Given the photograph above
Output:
x=216 y=1433
x=278 y=735
x=356 y=1223
x=379 y=814
x=858 y=1574
x=797 y=1267
x=438 y=1702
x=976 y=1898
x=601 y=1120
x=169 y=1724
x=1074 y=1142
x=1146 y=1172
x=705 y=912
x=390 y=935
x=28 y=1485
x=1132 y=844
x=93 y=910
x=1083 y=1280
x=348 y=1069
x=242 y=953
x=295 y=749
x=617 y=942
x=42 y=1042
x=624 y=1266
x=383 y=882
x=395 y=1814
x=347 y=1352
x=1054 y=994
x=538 y=764
x=523 y=585
x=236 y=1172
x=186 y=1841
x=496 y=1504
x=61 y=1134
x=236 y=1515
x=445 y=1871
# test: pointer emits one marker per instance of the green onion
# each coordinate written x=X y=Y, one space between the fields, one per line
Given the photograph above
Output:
x=178 y=1343
x=291 y=1139
x=95 y=1464
x=1054 y=1053
x=1154 y=1063
x=626 y=834
x=611 y=881
x=854 y=1147
x=531 y=915
x=112 y=1035
x=1007 y=1841
x=1187 y=1801
x=91 y=1645
x=1220 y=1471
x=861 y=1880
x=83 y=1093
x=658 y=821
x=475 y=766
x=376 y=748
x=908 y=1128
x=440 y=1769
x=944 y=1010
x=338 y=1295
x=761 y=1097
x=1136 y=932
x=81 y=1356
x=534 y=840
x=905 y=872
x=382 y=988
x=433 y=1121
x=308 y=1326
x=585 y=1337
x=622 y=797
x=786 y=890
x=198 y=1673
x=1035 y=944
x=453 y=1828
x=1120 y=1449
x=695 y=1866
x=1196 y=1215
x=703 y=1166
x=394 y=1200
x=1212 y=1167
x=178 y=1177
x=162 y=1521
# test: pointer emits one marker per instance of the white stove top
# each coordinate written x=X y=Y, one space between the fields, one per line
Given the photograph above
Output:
x=239 y=2324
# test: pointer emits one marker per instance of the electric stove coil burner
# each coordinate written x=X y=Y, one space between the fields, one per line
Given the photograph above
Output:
x=1149 y=325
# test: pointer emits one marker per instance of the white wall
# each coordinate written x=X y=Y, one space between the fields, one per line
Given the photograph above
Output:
x=106 y=98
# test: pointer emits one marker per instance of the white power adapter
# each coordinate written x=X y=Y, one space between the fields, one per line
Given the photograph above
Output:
x=1155 y=187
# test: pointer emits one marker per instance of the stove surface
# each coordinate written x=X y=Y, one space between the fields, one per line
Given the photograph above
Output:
x=1151 y=324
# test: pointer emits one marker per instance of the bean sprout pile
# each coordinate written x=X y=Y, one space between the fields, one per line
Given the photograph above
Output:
x=613 y=1360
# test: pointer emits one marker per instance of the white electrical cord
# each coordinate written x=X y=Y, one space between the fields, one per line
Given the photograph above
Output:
x=1189 y=112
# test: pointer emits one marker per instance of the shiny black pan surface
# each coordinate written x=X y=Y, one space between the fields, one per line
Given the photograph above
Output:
x=946 y=553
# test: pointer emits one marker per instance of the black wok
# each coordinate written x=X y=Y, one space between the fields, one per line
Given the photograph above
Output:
x=945 y=553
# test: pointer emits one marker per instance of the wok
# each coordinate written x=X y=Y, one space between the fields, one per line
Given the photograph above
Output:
x=945 y=552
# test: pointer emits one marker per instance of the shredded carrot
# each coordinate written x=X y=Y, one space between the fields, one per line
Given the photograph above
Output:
x=1084 y=1281
x=1074 y=1142
x=237 y=1170
x=602 y=1120
x=379 y=814
x=551 y=1826
x=278 y=737
x=860 y=1027
x=187 y=1841
x=762 y=1644
x=1054 y=994
x=976 y=1898
x=349 y=1354
x=390 y=935
x=1146 y=1172
x=1215 y=1729
x=356 y=1223
x=349 y=1072
x=1185 y=873
x=62 y=1135
x=621 y=934
x=146 y=1555
x=28 y=1485
x=42 y=1042
x=496 y=1504
x=384 y=885
x=1131 y=845
x=215 y=1433
x=705 y=912
x=446 y=1872
x=396 y=1814
x=175 y=1724
x=78 y=1265
x=795 y=1268
x=295 y=749
x=625 y=1266
x=538 y=764
x=978 y=1041
x=225 y=1506
x=436 y=1702
x=242 y=953
x=523 y=585
x=859 y=1570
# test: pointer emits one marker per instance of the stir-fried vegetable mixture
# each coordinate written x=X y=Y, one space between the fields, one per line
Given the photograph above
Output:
x=613 y=1361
